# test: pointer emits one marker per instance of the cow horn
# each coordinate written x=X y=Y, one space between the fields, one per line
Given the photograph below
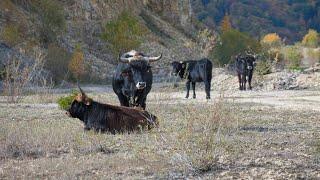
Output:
x=153 y=59
x=81 y=91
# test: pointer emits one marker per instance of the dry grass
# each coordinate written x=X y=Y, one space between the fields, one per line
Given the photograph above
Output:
x=216 y=139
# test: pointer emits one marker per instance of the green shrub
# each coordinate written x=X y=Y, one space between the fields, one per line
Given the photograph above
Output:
x=64 y=102
x=11 y=34
x=293 y=57
x=311 y=39
x=124 y=33
x=263 y=67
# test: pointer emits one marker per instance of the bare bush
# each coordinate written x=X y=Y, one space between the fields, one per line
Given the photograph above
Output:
x=20 y=75
x=204 y=138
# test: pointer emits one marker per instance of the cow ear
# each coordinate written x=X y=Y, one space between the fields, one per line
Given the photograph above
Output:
x=79 y=98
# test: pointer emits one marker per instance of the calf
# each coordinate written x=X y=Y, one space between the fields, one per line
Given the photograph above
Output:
x=194 y=71
x=244 y=67
x=106 y=117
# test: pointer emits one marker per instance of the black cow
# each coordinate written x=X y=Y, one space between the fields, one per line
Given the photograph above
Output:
x=194 y=71
x=244 y=67
x=106 y=117
x=132 y=80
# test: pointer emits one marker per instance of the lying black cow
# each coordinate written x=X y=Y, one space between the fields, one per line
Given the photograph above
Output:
x=194 y=71
x=105 y=117
x=244 y=67
x=132 y=80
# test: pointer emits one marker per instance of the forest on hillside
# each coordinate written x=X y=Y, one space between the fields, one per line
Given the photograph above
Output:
x=291 y=19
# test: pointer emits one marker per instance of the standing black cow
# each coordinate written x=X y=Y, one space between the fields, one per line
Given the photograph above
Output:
x=244 y=67
x=132 y=80
x=194 y=71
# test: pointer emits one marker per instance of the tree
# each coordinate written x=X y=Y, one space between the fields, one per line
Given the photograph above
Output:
x=231 y=43
x=124 y=33
x=225 y=24
x=272 y=40
x=311 y=39
x=76 y=65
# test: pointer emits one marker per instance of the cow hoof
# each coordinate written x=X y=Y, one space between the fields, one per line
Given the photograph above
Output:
x=187 y=97
x=194 y=97
x=208 y=97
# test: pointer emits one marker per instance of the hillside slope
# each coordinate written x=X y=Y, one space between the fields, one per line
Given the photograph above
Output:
x=289 y=18
x=85 y=20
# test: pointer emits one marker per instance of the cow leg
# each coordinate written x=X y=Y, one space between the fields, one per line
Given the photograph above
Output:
x=244 y=82
x=207 y=86
x=188 y=88
x=194 y=89
x=143 y=103
x=249 y=80
x=123 y=100
x=240 y=81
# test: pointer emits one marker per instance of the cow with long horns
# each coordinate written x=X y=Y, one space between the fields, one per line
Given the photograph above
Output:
x=132 y=79
x=109 y=118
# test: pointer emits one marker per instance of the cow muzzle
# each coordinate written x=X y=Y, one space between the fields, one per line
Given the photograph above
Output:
x=141 y=85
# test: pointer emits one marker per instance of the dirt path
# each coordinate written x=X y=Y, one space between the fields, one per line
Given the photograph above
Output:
x=293 y=99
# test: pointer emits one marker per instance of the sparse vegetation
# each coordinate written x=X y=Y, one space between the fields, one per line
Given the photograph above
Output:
x=19 y=75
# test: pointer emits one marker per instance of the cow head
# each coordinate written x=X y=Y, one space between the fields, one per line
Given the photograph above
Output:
x=79 y=105
x=251 y=62
x=178 y=68
x=135 y=73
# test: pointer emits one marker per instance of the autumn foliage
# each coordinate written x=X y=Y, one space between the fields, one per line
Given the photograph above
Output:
x=76 y=64
x=226 y=24
x=311 y=39
x=272 y=39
